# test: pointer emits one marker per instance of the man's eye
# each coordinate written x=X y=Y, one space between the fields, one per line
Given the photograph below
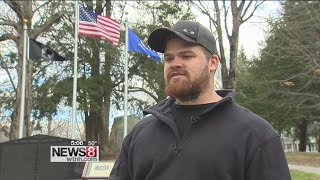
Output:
x=167 y=59
x=187 y=57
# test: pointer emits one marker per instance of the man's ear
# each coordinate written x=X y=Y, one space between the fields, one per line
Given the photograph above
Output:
x=214 y=62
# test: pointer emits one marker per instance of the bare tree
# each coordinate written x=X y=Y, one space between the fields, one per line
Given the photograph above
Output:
x=240 y=11
x=23 y=10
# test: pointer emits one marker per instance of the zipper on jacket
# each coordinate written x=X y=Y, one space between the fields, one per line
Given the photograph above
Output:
x=178 y=146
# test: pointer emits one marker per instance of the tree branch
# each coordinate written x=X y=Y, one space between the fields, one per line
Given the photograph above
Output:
x=226 y=10
x=40 y=7
x=55 y=18
x=245 y=11
x=9 y=23
x=242 y=5
x=5 y=67
x=205 y=11
x=16 y=7
x=299 y=94
x=42 y=69
x=117 y=83
x=219 y=31
x=138 y=89
x=5 y=37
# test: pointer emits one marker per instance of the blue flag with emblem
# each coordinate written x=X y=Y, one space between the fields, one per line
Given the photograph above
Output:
x=136 y=45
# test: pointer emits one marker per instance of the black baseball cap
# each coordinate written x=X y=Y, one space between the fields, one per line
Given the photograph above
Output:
x=189 y=31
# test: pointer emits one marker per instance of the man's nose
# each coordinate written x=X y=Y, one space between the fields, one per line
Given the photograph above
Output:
x=176 y=62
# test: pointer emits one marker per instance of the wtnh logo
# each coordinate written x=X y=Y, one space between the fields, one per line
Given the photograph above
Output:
x=74 y=153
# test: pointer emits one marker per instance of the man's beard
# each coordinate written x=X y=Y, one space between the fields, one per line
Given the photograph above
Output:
x=187 y=89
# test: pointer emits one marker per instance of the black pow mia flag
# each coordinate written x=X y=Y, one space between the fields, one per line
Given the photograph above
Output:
x=38 y=50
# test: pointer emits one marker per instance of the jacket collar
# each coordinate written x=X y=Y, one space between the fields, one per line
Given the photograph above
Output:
x=164 y=106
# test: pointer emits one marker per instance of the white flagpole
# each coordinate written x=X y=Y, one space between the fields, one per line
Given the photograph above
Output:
x=23 y=79
x=75 y=70
x=125 y=123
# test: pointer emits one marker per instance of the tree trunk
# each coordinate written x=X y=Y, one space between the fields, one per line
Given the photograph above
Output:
x=234 y=43
x=302 y=135
x=50 y=133
x=25 y=14
x=94 y=124
x=106 y=95
x=238 y=10
x=223 y=59
x=108 y=88
x=97 y=121
x=14 y=126
x=105 y=117
x=95 y=100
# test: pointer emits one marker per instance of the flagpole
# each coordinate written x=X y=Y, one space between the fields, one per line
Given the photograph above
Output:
x=23 y=79
x=125 y=119
x=75 y=70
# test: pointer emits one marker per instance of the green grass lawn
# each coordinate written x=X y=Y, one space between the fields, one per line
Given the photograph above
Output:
x=299 y=175
x=304 y=159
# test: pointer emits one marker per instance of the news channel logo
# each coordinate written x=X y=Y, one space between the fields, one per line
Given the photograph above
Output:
x=76 y=152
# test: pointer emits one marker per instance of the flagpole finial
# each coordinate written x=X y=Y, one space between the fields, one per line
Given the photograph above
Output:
x=25 y=21
x=126 y=16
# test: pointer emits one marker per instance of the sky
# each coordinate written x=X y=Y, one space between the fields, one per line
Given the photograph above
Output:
x=253 y=32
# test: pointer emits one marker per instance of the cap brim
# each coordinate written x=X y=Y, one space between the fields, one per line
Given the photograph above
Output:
x=157 y=39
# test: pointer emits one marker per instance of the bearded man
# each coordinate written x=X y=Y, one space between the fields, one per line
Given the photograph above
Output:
x=197 y=133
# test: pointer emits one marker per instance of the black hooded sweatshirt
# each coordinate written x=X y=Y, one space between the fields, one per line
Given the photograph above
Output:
x=225 y=142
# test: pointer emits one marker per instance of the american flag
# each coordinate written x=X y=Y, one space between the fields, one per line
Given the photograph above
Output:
x=96 y=26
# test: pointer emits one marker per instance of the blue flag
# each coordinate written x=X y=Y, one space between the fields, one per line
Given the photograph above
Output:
x=136 y=45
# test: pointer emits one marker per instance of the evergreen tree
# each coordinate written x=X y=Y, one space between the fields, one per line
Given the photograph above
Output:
x=282 y=85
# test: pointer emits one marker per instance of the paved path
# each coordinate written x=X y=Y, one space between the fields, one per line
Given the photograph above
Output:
x=315 y=170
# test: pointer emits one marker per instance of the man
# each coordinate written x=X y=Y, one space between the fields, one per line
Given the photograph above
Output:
x=197 y=133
